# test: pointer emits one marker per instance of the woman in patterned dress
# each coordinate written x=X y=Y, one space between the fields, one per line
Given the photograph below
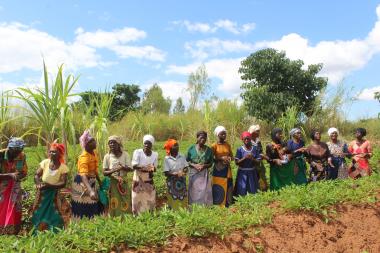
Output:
x=338 y=151
x=13 y=168
x=222 y=183
x=175 y=168
x=84 y=192
x=200 y=158
x=318 y=156
x=144 y=163
x=361 y=150
x=50 y=177
x=116 y=164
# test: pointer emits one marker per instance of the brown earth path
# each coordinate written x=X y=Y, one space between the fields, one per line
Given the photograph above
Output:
x=353 y=228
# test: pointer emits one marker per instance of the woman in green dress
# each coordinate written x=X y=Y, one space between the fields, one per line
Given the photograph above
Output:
x=50 y=177
x=296 y=146
x=200 y=159
x=281 y=164
x=116 y=164
x=175 y=168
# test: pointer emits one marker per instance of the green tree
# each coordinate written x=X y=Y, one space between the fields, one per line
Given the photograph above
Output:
x=154 y=101
x=197 y=85
x=178 y=107
x=125 y=99
x=377 y=95
x=273 y=83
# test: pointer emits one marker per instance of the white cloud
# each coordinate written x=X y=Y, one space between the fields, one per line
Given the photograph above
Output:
x=339 y=57
x=22 y=47
x=103 y=39
x=369 y=93
x=224 y=69
x=203 y=49
x=221 y=24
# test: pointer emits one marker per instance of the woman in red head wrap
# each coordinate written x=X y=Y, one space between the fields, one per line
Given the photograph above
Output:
x=175 y=168
x=50 y=177
x=247 y=158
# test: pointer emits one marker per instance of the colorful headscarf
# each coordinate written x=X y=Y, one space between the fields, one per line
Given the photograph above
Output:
x=294 y=131
x=219 y=129
x=169 y=144
x=332 y=130
x=85 y=138
x=246 y=135
x=149 y=138
x=253 y=128
x=116 y=138
x=61 y=151
x=15 y=142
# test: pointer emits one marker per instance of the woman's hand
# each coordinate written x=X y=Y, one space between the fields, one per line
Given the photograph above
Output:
x=13 y=176
x=40 y=186
x=93 y=195
x=277 y=162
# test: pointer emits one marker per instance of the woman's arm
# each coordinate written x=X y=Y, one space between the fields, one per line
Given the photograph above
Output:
x=37 y=176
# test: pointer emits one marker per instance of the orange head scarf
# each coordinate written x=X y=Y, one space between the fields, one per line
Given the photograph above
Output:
x=169 y=144
x=61 y=150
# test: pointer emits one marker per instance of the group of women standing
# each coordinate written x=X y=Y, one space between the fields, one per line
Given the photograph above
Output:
x=210 y=179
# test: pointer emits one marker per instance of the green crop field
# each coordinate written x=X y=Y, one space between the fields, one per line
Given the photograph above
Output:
x=105 y=233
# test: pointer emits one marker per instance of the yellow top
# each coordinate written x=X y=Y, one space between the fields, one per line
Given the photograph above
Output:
x=52 y=176
x=88 y=164
x=220 y=150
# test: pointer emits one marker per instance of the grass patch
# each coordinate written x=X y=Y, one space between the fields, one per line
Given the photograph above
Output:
x=102 y=234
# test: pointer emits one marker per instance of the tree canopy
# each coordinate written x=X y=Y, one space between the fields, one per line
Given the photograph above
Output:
x=125 y=98
x=154 y=101
x=273 y=83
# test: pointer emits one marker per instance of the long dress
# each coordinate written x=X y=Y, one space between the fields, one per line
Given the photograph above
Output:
x=143 y=190
x=11 y=193
x=338 y=151
x=299 y=161
x=280 y=175
x=360 y=163
x=177 y=194
x=81 y=203
x=119 y=192
x=222 y=183
x=47 y=208
x=318 y=158
x=200 y=189
x=247 y=177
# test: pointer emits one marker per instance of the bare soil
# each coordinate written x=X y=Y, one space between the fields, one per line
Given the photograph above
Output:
x=352 y=228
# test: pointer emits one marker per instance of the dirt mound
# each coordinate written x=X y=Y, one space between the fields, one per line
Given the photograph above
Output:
x=353 y=228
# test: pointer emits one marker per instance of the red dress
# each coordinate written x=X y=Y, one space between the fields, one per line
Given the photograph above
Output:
x=360 y=161
x=11 y=194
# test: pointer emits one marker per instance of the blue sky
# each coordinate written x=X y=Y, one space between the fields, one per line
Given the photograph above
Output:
x=144 y=42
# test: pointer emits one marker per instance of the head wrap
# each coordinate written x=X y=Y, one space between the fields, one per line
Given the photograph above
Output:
x=85 y=138
x=116 y=138
x=312 y=134
x=61 y=151
x=274 y=132
x=253 y=128
x=15 y=142
x=201 y=132
x=362 y=131
x=219 y=129
x=294 y=131
x=332 y=130
x=246 y=135
x=169 y=144
x=149 y=138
